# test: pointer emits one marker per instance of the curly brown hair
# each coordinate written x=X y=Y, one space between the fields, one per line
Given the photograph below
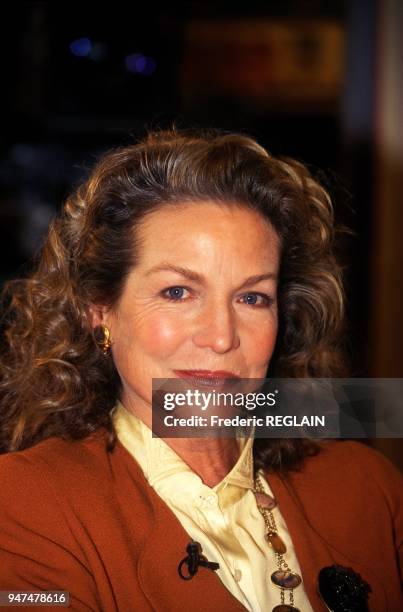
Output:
x=54 y=379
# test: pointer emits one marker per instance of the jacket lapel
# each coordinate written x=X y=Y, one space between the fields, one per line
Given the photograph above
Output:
x=312 y=549
x=158 y=568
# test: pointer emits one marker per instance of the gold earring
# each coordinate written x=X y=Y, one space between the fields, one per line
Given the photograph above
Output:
x=102 y=338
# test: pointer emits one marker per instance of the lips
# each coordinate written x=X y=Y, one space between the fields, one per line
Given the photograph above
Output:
x=207 y=373
x=209 y=378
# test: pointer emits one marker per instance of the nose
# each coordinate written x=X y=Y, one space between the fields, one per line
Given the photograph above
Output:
x=216 y=327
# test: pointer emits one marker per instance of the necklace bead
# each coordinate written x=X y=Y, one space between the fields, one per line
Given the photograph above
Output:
x=276 y=542
x=265 y=501
x=286 y=579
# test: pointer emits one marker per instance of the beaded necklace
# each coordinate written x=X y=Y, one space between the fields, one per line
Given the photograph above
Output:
x=283 y=578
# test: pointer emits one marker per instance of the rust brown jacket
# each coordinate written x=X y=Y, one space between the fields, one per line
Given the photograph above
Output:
x=76 y=518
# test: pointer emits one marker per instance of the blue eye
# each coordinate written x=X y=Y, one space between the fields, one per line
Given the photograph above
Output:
x=174 y=293
x=257 y=299
x=251 y=298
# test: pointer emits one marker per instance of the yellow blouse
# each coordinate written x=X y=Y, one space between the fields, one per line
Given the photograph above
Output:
x=224 y=519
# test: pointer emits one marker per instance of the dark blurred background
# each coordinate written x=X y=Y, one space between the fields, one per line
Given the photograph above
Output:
x=319 y=80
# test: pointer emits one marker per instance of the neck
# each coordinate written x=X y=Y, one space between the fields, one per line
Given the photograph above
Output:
x=210 y=458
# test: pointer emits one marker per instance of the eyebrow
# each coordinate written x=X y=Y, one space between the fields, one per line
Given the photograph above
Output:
x=199 y=278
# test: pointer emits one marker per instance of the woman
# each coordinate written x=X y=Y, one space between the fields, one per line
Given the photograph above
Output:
x=196 y=257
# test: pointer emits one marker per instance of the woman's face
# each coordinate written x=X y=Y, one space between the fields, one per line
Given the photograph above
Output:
x=202 y=297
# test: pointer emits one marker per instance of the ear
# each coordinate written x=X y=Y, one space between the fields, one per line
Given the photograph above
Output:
x=97 y=315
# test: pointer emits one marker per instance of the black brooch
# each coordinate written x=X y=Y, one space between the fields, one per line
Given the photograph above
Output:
x=343 y=590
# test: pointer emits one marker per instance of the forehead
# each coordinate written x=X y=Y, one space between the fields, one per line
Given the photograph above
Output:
x=207 y=230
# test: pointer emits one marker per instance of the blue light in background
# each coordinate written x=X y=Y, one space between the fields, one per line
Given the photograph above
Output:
x=140 y=64
x=81 y=47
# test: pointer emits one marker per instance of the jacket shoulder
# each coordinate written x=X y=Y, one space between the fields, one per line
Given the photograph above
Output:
x=360 y=468
x=50 y=468
x=364 y=457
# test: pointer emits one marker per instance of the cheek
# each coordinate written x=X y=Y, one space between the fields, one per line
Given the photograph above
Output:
x=160 y=336
x=261 y=343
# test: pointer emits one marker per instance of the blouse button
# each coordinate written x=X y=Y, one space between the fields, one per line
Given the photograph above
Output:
x=207 y=501
x=211 y=500
x=237 y=575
